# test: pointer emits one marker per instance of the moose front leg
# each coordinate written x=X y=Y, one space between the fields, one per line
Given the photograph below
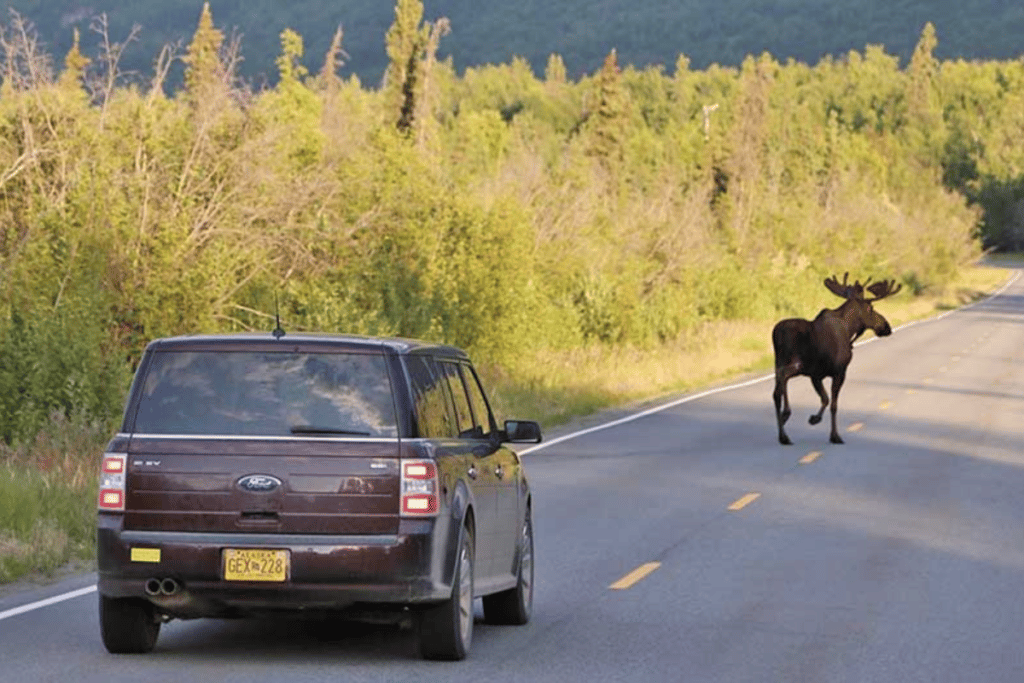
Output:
x=820 y=388
x=837 y=384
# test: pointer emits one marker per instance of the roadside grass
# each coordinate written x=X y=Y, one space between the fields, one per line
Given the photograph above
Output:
x=48 y=500
x=48 y=487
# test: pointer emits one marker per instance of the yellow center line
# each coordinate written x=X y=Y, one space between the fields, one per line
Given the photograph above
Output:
x=885 y=405
x=744 y=501
x=856 y=427
x=634 y=576
x=911 y=391
x=810 y=457
x=927 y=380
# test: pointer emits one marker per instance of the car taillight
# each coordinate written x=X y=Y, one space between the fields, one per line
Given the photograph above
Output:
x=419 y=488
x=112 y=481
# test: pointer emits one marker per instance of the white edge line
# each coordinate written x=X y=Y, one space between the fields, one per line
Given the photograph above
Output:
x=718 y=390
x=48 y=601
x=614 y=423
x=645 y=413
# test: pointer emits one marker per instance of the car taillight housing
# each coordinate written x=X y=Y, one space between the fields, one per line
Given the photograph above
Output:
x=112 y=481
x=419 y=488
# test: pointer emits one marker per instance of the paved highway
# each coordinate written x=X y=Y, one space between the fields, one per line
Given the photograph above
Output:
x=686 y=544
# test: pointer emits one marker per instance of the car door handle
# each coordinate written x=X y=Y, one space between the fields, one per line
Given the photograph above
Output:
x=471 y=472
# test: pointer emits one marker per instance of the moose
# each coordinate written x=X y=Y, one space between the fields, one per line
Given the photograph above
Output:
x=823 y=347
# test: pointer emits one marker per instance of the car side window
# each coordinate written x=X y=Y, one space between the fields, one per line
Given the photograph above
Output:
x=429 y=394
x=467 y=427
x=477 y=401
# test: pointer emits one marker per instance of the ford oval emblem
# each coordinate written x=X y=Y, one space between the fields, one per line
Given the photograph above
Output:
x=258 y=483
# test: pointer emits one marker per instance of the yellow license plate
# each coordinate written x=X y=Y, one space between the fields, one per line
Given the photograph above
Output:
x=251 y=564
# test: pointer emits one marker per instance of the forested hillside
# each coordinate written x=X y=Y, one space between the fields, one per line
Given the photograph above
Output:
x=643 y=32
x=505 y=211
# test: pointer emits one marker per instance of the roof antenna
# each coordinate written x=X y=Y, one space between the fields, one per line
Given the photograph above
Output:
x=278 y=331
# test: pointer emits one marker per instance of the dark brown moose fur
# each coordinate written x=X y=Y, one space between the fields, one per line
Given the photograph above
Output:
x=824 y=347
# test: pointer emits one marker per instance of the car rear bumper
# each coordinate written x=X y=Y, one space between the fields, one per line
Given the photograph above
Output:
x=327 y=573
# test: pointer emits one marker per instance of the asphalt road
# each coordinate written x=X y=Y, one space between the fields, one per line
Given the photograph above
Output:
x=688 y=545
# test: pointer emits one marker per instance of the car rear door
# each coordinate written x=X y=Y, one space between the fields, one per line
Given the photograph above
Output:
x=507 y=470
x=486 y=465
x=436 y=420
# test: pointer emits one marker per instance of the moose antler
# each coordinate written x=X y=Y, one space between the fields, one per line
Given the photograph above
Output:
x=883 y=289
x=844 y=290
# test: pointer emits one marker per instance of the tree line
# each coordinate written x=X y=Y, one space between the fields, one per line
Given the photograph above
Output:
x=644 y=32
x=497 y=210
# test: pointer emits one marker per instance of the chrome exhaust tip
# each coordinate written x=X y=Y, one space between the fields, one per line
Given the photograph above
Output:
x=153 y=587
x=169 y=587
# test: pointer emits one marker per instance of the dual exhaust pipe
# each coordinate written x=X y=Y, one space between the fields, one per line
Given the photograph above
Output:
x=168 y=586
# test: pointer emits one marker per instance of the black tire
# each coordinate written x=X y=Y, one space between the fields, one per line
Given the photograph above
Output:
x=446 y=629
x=515 y=605
x=128 y=625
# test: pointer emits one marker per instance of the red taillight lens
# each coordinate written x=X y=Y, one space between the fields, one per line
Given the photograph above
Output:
x=419 y=488
x=113 y=464
x=419 y=469
x=112 y=481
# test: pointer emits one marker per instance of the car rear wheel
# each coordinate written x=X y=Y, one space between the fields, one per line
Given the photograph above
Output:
x=515 y=605
x=446 y=629
x=128 y=625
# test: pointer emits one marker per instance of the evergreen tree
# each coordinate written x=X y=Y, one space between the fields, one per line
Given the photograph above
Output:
x=555 y=72
x=924 y=110
x=203 y=68
x=608 y=123
x=333 y=60
x=74 y=68
x=405 y=40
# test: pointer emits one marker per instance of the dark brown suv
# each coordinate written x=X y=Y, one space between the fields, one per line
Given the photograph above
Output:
x=255 y=474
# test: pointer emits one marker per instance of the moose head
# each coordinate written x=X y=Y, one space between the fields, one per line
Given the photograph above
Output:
x=824 y=347
x=858 y=311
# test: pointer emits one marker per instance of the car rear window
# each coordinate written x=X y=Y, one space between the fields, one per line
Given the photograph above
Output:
x=266 y=394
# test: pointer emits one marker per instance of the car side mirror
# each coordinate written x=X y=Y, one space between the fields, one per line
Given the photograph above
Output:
x=522 y=431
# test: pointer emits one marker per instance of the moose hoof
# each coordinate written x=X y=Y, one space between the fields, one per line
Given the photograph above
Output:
x=835 y=439
x=814 y=419
x=784 y=440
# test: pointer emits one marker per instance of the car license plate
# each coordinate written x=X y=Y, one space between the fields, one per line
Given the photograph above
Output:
x=251 y=564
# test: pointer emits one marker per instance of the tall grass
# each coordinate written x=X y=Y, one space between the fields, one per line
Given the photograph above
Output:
x=48 y=499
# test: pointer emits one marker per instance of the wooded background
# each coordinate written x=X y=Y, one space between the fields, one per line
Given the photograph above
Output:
x=493 y=208
x=644 y=32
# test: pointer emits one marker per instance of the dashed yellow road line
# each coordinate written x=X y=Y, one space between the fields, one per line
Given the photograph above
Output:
x=634 y=576
x=856 y=427
x=885 y=405
x=744 y=501
x=810 y=457
x=927 y=380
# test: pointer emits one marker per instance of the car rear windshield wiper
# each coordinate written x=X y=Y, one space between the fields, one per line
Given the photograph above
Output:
x=314 y=429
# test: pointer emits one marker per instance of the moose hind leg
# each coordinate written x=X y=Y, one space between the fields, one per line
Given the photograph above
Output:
x=837 y=383
x=820 y=388
x=782 y=411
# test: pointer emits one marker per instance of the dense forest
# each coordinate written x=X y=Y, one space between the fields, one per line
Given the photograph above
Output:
x=643 y=32
x=494 y=208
